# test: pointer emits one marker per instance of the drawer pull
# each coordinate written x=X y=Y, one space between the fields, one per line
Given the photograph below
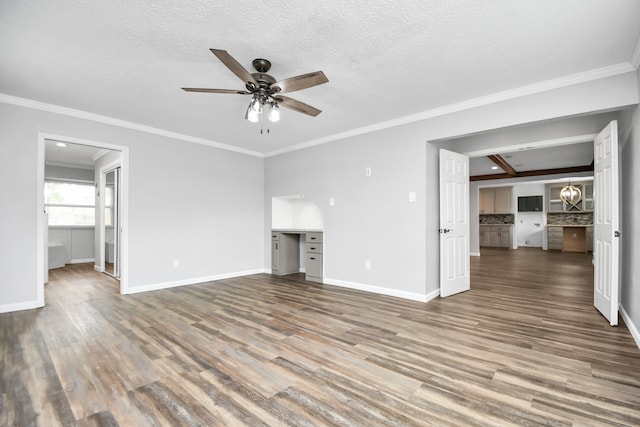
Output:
x=312 y=238
x=311 y=258
x=313 y=249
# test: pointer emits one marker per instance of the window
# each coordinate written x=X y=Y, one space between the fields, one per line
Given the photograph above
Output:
x=70 y=203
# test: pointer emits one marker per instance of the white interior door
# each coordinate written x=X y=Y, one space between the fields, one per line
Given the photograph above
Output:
x=606 y=222
x=454 y=223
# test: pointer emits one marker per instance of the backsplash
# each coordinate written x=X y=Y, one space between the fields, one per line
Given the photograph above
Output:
x=575 y=218
x=497 y=219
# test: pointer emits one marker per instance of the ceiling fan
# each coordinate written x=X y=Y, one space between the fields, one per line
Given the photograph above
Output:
x=265 y=90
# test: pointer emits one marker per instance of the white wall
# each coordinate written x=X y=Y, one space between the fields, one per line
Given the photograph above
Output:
x=372 y=218
x=530 y=226
x=629 y=126
x=188 y=201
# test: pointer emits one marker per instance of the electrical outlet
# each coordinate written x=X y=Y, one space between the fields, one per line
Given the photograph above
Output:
x=367 y=172
x=332 y=201
x=367 y=264
x=176 y=263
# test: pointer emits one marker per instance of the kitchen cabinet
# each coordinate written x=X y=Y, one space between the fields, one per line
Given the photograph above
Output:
x=313 y=260
x=485 y=235
x=496 y=236
x=590 y=238
x=585 y=204
x=285 y=253
x=554 y=237
x=498 y=200
x=501 y=236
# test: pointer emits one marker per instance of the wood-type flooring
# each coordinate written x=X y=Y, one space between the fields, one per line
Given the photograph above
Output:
x=523 y=347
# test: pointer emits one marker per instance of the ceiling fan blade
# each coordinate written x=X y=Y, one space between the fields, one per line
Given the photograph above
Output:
x=302 y=81
x=197 y=89
x=296 y=105
x=235 y=66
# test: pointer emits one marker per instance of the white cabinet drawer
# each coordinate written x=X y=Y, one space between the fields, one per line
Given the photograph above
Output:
x=313 y=265
x=313 y=248
x=314 y=237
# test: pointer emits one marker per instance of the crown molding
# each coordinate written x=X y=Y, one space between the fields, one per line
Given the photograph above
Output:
x=591 y=75
x=573 y=79
x=52 y=108
x=635 y=56
x=99 y=154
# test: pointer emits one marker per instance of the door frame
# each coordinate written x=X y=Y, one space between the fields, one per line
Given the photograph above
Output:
x=101 y=185
x=40 y=167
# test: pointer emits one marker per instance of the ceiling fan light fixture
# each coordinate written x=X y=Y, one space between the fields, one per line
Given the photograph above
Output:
x=274 y=112
x=254 y=111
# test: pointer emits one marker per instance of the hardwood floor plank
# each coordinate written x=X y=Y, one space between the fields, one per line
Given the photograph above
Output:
x=523 y=347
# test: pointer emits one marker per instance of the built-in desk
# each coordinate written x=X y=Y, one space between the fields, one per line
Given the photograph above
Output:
x=285 y=253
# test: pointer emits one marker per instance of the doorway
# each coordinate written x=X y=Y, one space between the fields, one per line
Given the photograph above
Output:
x=102 y=156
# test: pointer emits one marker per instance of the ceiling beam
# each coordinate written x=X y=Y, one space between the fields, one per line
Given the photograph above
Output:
x=503 y=164
x=539 y=172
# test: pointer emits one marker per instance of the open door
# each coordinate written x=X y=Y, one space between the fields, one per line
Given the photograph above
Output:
x=454 y=223
x=606 y=222
x=111 y=222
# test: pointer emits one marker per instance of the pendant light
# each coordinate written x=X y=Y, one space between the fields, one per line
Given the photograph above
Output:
x=570 y=194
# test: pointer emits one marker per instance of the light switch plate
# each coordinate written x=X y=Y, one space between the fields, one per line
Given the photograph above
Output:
x=412 y=196
x=332 y=201
x=367 y=172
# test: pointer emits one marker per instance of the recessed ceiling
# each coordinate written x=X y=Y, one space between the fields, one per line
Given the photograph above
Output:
x=384 y=60
x=563 y=156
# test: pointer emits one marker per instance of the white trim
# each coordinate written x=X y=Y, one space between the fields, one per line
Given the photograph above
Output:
x=635 y=56
x=474 y=253
x=102 y=256
x=41 y=217
x=81 y=261
x=383 y=291
x=573 y=79
x=98 y=269
x=630 y=325
x=193 y=281
x=52 y=108
x=18 y=306
x=586 y=76
x=545 y=143
x=99 y=154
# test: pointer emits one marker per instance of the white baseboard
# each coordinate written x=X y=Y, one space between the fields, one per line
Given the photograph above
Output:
x=81 y=261
x=383 y=291
x=165 y=285
x=19 y=306
x=630 y=325
x=474 y=253
x=98 y=268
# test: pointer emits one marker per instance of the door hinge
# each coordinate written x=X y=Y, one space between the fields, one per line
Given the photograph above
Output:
x=616 y=233
x=444 y=230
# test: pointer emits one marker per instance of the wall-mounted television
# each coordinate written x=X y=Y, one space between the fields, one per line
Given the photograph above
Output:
x=530 y=204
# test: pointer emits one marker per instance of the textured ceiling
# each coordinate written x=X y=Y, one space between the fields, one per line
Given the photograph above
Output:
x=384 y=59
